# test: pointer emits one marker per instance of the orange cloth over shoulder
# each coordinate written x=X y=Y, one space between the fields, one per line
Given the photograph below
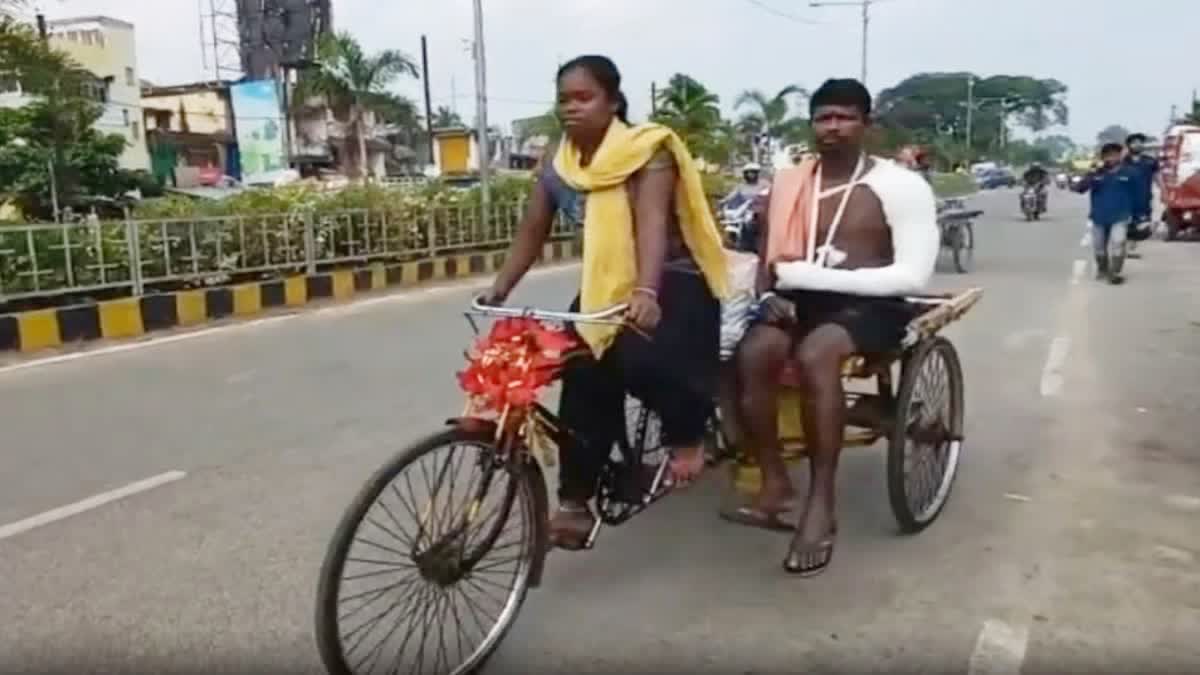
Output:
x=789 y=211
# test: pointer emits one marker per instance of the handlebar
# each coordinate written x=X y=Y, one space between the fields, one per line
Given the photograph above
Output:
x=612 y=315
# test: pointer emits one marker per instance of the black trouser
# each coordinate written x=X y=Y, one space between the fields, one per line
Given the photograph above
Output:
x=674 y=374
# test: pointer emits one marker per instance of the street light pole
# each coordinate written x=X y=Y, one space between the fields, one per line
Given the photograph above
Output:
x=481 y=112
x=970 y=114
x=865 y=5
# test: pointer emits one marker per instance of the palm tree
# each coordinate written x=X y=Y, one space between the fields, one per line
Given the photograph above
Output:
x=1194 y=116
x=771 y=115
x=353 y=82
x=694 y=112
x=444 y=117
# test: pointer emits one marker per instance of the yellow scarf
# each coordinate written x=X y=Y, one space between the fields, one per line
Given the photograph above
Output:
x=609 y=245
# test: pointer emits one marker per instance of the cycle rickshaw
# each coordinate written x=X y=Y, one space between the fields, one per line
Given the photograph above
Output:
x=957 y=225
x=487 y=535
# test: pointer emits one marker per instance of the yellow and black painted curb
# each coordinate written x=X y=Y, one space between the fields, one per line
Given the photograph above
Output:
x=133 y=317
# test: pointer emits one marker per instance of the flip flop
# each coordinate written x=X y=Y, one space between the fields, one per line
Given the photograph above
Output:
x=753 y=516
x=807 y=560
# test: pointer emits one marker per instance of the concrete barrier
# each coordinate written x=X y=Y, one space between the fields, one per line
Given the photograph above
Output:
x=133 y=317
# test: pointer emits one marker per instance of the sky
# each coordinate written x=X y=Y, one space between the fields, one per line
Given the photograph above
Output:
x=1125 y=62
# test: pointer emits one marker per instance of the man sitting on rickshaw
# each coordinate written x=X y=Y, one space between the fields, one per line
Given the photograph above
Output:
x=847 y=236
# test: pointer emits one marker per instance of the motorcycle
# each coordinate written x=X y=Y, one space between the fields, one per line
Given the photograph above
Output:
x=738 y=223
x=1032 y=203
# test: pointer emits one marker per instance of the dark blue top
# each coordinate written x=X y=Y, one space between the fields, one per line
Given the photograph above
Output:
x=569 y=202
x=1142 y=169
x=1113 y=195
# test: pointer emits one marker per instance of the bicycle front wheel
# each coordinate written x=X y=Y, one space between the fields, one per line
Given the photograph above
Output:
x=432 y=561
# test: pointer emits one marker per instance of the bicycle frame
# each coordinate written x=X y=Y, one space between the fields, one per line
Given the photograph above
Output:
x=534 y=432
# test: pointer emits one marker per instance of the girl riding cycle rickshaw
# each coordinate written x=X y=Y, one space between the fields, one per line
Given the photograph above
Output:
x=490 y=534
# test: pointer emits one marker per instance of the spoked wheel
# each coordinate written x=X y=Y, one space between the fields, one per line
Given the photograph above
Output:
x=431 y=563
x=924 y=449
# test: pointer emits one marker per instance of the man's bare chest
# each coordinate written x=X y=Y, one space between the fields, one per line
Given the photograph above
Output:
x=861 y=219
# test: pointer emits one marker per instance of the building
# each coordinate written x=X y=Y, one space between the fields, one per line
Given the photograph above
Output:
x=106 y=48
x=324 y=140
x=190 y=133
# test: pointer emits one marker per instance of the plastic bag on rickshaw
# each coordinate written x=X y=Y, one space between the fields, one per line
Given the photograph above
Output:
x=737 y=309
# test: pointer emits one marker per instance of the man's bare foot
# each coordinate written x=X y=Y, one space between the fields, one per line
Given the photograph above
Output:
x=686 y=465
x=571 y=525
x=811 y=549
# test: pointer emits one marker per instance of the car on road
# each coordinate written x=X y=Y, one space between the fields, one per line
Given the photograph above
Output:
x=996 y=178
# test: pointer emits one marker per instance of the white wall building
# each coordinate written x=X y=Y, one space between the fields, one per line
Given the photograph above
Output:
x=106 y=48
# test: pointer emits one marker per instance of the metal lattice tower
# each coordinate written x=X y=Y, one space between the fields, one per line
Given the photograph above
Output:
x=220 y=39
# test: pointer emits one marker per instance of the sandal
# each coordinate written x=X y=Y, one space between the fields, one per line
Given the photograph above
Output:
x=809 y=559
x=752 y=515
x=571 y=526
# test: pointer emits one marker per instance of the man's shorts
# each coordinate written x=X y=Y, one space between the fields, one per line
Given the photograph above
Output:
x=875 y=325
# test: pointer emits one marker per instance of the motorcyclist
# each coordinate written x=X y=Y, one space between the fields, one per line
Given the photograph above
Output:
x=752 y=185
x=1036 y=178
x=751 y=189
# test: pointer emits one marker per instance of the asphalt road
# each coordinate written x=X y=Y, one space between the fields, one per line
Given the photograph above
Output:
x=1069 y=545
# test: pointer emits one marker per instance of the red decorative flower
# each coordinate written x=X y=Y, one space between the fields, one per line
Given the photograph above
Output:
x=513 y=363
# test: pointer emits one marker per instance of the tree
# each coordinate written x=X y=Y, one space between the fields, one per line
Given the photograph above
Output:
x=772 y=115
x=55 y=131
x=85 y=162
x=1113 y=133
x=688 y=107
x=444 y=117
x=1194 y=116
x=353 y=82
x=931 y=106
x=10 y=7
x=547 y=125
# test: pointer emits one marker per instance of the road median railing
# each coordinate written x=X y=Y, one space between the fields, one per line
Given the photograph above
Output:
x=109 y=280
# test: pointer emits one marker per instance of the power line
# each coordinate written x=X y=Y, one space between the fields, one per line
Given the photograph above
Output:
x=791 y=17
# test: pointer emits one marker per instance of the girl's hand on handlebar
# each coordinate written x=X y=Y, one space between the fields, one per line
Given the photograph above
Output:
x=644 y=312
x=491 y=298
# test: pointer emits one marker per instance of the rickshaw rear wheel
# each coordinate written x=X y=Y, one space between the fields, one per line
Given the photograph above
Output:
x=925 y=445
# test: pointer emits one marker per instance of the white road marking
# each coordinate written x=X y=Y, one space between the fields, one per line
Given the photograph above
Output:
x=1052 y=377
x=1000 y=649
x=1183 y=502
x=62 y=512
x=1172 y=554
x=1077 y=271
x=332 y=310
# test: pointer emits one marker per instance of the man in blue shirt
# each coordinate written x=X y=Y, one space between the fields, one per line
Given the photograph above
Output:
x=1113 y=191
x=1143 y=168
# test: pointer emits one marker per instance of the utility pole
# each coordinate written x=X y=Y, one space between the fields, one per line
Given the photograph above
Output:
x=481 y=112
x=44 y=34
x=970 y=113
x=428 y=101
x=653 y=99
x=865 y=5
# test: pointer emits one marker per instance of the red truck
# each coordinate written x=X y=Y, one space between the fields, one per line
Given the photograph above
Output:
x=1181 y=180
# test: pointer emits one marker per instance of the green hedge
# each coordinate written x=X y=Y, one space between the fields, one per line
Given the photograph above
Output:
x=953 y=184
